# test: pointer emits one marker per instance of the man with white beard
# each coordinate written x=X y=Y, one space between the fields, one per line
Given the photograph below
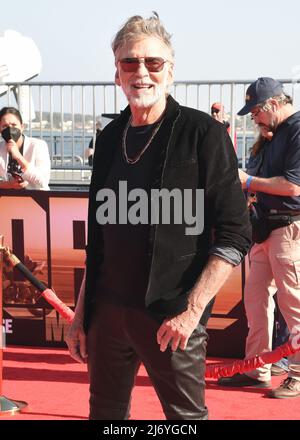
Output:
x=149 y=286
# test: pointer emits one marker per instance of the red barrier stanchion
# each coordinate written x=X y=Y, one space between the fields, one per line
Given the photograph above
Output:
x=7 y=406
x=47 y=293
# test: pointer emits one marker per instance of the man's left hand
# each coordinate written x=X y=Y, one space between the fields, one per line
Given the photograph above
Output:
x=176 y=331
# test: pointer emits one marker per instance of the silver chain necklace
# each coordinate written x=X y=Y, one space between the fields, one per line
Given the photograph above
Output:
x=135 y=159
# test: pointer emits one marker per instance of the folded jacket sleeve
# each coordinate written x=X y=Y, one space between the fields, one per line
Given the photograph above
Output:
x=38 y=172
x=225 y=204
x=228 y=253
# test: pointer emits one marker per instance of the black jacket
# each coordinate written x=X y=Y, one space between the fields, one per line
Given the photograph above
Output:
x=196 y=152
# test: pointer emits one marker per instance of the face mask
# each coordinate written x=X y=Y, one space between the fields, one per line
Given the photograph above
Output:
x=11 y=133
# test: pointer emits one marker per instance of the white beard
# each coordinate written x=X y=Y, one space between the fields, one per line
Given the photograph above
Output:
x=146 y=99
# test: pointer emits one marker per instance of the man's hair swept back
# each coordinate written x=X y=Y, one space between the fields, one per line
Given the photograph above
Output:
x=137 y=27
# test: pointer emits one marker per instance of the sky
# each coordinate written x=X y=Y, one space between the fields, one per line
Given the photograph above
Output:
x=213 y=40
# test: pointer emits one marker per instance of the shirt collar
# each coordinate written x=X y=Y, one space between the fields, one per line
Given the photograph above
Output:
x=293 y=118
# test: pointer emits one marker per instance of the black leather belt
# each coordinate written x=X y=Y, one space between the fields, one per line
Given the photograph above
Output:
x=288 y=218
x=277 y=212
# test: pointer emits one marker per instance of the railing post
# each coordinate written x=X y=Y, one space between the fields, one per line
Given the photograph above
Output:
x=232 y=112
x=7 y=407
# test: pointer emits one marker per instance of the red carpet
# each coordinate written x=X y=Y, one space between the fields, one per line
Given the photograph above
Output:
x=56 y=387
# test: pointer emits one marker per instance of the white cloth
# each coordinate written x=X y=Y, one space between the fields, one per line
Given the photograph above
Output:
x=36 y=152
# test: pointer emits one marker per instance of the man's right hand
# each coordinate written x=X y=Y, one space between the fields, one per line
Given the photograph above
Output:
x=76 y=341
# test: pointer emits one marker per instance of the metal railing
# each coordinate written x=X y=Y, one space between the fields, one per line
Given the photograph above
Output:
x=64 y=114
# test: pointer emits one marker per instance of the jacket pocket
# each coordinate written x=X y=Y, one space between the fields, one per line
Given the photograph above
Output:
x=290 y=272
x=183 y=163
x=186 y=256
x=297 y=270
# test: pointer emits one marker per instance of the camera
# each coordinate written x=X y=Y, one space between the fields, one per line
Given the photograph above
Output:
x=14 y=169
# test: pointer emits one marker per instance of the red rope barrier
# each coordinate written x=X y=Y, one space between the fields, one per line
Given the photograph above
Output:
x=244 y=365
x=59 y=306
x=212 y=370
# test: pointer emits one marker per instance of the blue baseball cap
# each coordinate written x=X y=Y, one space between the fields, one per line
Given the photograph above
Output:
x=259 y=91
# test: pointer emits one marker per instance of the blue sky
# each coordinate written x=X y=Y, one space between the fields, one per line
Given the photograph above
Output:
x=212 y=40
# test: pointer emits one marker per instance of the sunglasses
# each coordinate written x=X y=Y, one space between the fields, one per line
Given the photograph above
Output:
x=152 y=64
x=256 y=112
x=214 y=110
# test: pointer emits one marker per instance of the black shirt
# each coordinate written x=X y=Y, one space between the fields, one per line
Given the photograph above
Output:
x=282 y=158
x=126 y=260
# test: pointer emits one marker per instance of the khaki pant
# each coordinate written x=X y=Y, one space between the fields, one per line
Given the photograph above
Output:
x=275 y=266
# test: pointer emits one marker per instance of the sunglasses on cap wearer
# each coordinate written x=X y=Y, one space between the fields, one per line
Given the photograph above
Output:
x=152 y=64
x=256 y=111
x=214 y=110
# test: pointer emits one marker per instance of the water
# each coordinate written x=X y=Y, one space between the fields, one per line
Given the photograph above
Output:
x=62 y=145
x=66 y=144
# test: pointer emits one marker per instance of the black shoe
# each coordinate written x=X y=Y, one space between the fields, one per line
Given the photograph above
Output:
x=242 y=380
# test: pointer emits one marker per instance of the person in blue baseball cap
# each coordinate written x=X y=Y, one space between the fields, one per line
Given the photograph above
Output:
x=275 y=254
x=259 y=91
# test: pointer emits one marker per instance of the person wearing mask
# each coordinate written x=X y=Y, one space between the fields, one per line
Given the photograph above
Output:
x=24 y=161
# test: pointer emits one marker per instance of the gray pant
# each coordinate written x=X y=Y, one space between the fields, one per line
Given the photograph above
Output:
x=119 y=339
